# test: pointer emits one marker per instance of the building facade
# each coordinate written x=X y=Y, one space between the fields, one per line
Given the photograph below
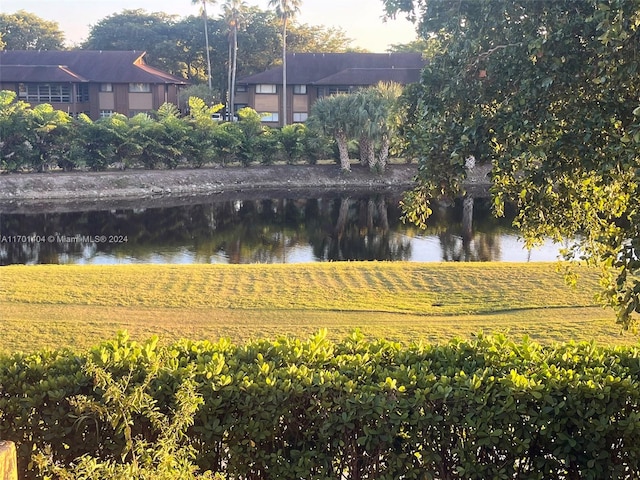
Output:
x=314 y=75
x=97 y=83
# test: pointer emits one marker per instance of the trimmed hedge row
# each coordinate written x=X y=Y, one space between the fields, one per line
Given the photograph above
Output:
x=39 y=138
x=487 y=408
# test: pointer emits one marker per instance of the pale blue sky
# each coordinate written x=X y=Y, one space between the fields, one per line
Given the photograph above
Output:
x=360 y=19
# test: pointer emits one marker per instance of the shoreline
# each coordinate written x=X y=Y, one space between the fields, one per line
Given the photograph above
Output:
x=117 y=189
x=136 y=188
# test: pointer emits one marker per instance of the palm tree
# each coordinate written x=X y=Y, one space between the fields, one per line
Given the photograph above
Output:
x=389 y=119
x=334 y=116
x=375 y=120
x=365 y=125
x=206 y=33
x=234 y=11
x=285 y=9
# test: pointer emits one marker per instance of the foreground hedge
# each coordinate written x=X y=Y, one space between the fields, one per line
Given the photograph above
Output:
x=486 y=408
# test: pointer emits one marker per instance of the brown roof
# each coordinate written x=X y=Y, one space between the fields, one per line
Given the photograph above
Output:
x=26 y=73
x=315 y=68
x=371 y=76
x=80 y=66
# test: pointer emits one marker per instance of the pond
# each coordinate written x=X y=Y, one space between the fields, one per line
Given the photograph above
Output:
x=282 y=229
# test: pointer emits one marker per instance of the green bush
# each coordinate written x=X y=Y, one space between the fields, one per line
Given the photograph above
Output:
x=200 y=144
x=227 y=139
x=250 y=149
x=317 y=146
x=316 y=409
x=37 y=138
x=269 y=146
x=292 y=141
x=14 y=126
x=168 y=456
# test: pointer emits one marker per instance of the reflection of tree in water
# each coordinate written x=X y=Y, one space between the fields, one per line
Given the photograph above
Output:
x=240 y=231
x=481 y=247
x=362 y=232
x=39 y=227
x=461 y=243
x=263 y=231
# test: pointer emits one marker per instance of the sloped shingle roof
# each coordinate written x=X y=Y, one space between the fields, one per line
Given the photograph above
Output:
x=80 y=65
x=370 y=76
x=26 y=73
x=316 y=68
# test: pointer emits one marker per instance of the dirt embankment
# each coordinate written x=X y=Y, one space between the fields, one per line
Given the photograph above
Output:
x=140 y=187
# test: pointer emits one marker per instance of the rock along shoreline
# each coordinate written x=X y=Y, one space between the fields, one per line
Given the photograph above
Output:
x=24 y=192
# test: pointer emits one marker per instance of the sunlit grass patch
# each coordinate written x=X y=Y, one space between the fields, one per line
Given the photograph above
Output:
x=74 y=305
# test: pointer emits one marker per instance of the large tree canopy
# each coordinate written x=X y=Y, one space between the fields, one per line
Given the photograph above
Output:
x=549 y=92
x=176 y=44
x=305 y=38
x=154 y=33
x=25 y=31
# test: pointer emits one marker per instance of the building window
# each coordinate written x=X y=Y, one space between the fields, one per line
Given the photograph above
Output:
x=338 y=90
x=269 y=116
x=327 y=91
x=106 y=87
x=139 y=87
x=266 y=88
x=77 y=114
x=82 y=93
x=300 y=89
x=45 y=92
x=242 y=88
x=106 y=113
x=300 y=117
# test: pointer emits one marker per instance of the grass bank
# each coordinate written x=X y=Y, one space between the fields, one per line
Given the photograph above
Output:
x=52 y=306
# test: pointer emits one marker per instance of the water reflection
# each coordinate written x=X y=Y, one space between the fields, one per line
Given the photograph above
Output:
x=468 y=245
x=274 y=230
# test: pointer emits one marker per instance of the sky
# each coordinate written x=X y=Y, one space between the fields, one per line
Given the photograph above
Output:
x=361 y=20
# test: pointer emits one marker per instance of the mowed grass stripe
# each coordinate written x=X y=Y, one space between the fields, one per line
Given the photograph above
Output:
x=79 y=306
x=28 y=327
x=423 y=289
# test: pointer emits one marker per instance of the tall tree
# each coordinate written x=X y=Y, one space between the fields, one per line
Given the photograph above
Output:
x=154 y=33
x=25 y=31
x=286 y=10
x=548 y=91
x=234 y=11
x=206 y=34
x=304 y=38
x=175 y=44
x=188 y=35
x=428 y=47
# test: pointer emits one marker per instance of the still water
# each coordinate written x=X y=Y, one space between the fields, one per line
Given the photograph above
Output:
x=270 y=230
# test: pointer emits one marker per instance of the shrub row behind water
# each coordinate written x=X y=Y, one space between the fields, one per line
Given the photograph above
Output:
x=358 y=409
x=38 y=138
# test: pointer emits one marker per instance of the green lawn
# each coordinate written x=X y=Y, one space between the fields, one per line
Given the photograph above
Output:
x=78 y=306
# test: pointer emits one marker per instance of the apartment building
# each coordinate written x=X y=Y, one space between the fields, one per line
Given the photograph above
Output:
x=314 y=75
x=97 y=83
